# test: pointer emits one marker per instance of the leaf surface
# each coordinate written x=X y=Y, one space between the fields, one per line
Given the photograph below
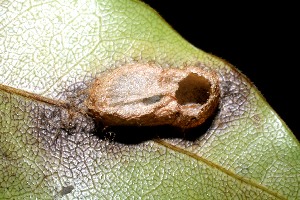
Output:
x=51 y=51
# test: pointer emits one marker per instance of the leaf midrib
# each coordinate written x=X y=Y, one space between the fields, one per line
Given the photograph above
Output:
x=161 y=142
x=218 y=167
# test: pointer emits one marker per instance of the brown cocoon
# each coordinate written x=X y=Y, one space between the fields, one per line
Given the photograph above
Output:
x=148 y=95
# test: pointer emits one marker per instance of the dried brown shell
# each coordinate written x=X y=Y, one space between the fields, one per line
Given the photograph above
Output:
x=148 y=95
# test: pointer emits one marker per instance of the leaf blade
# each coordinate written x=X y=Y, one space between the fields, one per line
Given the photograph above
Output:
x=34 y=132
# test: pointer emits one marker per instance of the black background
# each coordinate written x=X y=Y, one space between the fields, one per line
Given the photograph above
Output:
x=258 y=39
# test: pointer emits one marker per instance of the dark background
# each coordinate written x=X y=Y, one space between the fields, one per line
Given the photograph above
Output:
x=258 y=39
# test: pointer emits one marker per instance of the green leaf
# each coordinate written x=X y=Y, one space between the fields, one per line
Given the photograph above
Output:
x=49 y=54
